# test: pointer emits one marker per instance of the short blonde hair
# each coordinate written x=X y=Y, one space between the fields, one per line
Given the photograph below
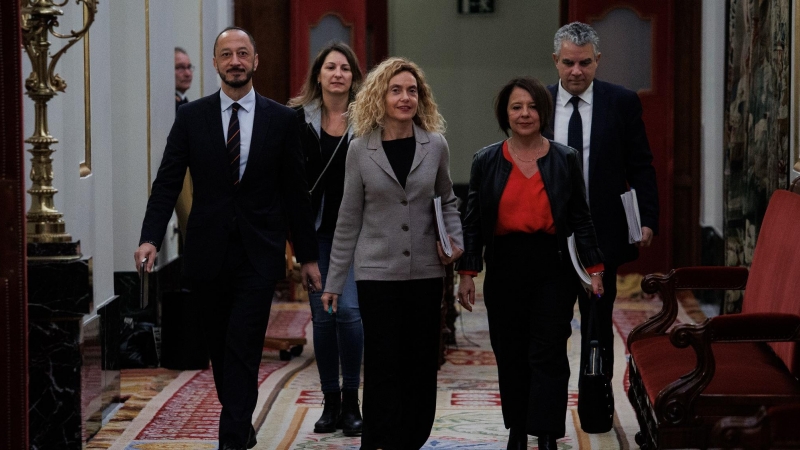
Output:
x=368 y=111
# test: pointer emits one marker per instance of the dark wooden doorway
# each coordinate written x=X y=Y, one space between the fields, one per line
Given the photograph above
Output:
x=281 y=30
x=13 y=290
x=268 y=22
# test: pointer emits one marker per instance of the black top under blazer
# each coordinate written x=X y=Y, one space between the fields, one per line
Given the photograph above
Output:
x=270 y=201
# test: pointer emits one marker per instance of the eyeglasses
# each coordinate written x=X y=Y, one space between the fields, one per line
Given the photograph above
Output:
x=189 y=68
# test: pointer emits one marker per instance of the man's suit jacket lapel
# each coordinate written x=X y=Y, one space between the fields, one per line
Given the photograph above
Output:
x=214 y=125
x=257 y=140
x=600 y=118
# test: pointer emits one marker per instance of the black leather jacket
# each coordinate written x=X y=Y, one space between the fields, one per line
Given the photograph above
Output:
x=563 y=182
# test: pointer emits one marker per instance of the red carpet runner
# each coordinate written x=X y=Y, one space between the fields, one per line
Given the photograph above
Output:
x=193 y=412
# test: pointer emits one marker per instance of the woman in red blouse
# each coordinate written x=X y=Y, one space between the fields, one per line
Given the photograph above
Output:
x=526 y=196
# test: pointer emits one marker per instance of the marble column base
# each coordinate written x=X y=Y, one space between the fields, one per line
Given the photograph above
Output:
x=54 y=383
x=100 y=370
x=73 y=354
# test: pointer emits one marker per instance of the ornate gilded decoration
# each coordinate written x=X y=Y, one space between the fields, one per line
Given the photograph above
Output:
x=38 y=19
x=86 y=165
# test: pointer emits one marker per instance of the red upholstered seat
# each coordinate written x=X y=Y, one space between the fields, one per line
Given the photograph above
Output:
x=727 y=381
x=776 y=269
x=742 y=369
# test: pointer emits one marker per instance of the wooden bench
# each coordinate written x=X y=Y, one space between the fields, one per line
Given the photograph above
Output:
x=685 y=379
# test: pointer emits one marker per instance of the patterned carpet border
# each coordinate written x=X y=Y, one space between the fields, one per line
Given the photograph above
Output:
x=184 y=413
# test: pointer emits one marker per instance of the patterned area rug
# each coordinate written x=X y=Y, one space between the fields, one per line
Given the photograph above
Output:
x=173 y=410
x=468 y=412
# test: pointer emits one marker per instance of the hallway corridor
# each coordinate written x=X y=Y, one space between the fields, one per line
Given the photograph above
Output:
x=171 y=410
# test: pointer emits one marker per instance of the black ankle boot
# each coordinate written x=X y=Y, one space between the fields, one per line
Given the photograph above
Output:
x=517 y=439
x=251 y=440
x=547 y=442
x=350 y=421
x=330 y=413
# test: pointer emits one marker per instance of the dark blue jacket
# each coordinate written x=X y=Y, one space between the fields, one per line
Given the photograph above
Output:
x=619 y=156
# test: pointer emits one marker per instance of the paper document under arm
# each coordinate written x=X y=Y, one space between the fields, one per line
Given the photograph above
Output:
x=440 y=228
x=631 y=206
x=586 y=280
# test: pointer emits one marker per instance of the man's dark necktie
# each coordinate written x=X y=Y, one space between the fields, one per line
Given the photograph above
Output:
x=233 y=143
x=575 y=130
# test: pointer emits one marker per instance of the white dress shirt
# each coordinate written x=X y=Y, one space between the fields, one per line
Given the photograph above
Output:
x=564 y=112
x=246 y=115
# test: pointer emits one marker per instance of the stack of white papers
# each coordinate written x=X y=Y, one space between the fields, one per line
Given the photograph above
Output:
x=443 y=238
x=586 y=279
x=631 y=206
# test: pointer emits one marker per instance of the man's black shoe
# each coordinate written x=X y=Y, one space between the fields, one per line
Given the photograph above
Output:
x=517 y=439
x=547 y=442
x=251 y=440
x=228 y=446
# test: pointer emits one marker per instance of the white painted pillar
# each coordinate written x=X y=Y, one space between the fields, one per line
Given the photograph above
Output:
x=712 y=108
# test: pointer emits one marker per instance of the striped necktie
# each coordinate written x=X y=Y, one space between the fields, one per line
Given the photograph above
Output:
x=233 y=143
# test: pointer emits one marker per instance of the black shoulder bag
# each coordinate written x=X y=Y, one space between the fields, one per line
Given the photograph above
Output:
x=595 y=394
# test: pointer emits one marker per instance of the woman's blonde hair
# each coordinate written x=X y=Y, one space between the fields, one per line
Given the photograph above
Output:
x=368 y=111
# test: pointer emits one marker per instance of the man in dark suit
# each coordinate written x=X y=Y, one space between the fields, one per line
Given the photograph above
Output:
x=244 y=154
x=604 y=123
x=184 y=72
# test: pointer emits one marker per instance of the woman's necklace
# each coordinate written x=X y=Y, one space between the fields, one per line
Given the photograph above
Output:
x=332 y=129
x=540 y=153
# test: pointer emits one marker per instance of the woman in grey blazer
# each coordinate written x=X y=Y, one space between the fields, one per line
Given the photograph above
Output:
x=387 y=228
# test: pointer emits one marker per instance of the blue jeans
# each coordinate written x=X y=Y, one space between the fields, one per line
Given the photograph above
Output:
x=339 y=336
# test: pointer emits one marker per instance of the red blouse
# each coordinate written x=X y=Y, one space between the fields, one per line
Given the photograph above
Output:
x=525 y=207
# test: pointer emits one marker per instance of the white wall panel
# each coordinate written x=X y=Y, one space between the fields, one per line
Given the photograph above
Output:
x=712 y=115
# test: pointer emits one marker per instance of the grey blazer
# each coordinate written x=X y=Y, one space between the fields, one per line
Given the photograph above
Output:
x=389 y=230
